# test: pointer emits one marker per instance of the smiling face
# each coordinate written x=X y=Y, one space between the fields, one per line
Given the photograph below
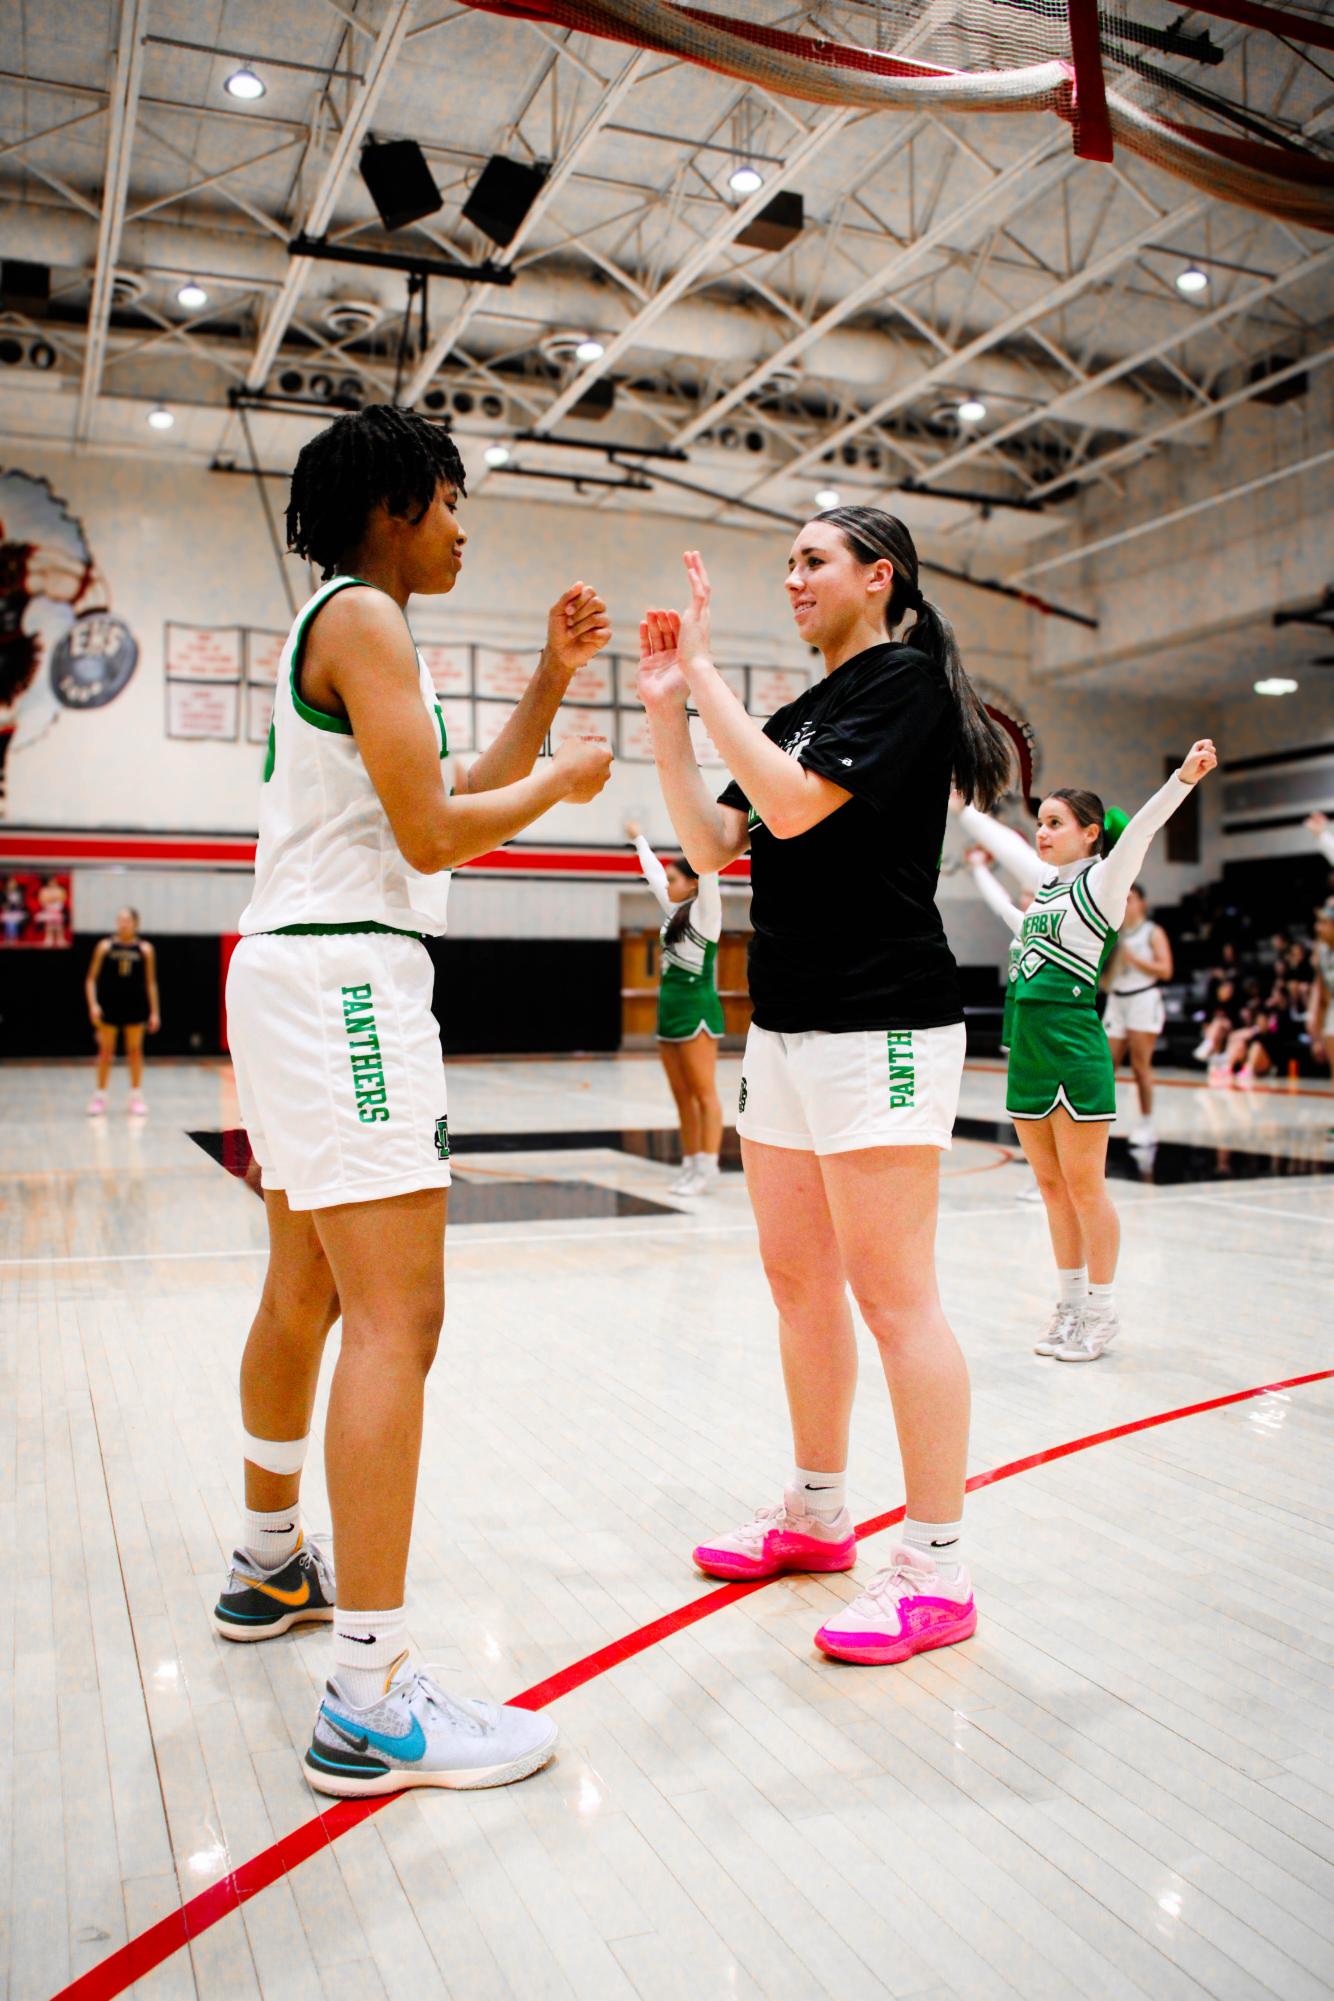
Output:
x=831 y=593
x=437 y=544
x=1060 y=838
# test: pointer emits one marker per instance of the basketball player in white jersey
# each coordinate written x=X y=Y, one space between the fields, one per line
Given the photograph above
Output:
x=338 y=1070
x=1134 y=1016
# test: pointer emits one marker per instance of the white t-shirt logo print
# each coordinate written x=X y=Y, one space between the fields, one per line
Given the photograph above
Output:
x=799 y=740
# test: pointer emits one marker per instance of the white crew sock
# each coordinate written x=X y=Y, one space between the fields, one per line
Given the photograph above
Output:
x=1074 y=1286
x=271 y=1538
x=706 y=1162
x=825 y=1494
x=1102 y=1301
x=941 y=1541
x=365 y=1648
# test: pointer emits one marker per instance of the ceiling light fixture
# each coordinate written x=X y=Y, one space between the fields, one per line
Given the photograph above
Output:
x=161 y=418
x=192 y=295
x=972 y=410
x=589 y=349
x=1192 y=279
x=244 y=83
x=746 y=179
x=1276 y=684
x=497 y=455
x=827 y=497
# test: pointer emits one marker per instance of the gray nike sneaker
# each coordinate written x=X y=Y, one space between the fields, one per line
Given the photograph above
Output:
x=417 y=1735
x=1066 y=1324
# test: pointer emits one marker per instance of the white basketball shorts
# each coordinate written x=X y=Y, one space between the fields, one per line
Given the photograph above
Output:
x=1143 y=1013
x=338 y=1065
x=823 y=1093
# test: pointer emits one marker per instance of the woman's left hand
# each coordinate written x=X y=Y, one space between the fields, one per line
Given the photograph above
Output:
x=153 y=1023
x=1199 y=759
x=694 y=644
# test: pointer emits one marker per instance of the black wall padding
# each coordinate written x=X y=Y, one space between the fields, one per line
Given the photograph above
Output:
x=43 y=1011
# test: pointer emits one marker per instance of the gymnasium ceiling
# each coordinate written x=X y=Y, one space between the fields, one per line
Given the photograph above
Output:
x=942 y=257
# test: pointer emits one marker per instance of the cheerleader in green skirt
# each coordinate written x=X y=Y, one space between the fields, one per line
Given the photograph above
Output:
x=690 y=1014
x=1060 y=1089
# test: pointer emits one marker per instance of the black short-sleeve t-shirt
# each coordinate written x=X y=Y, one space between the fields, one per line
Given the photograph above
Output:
x=846 y=930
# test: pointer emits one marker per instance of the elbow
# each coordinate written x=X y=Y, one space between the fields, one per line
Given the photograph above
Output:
x=786 y=824
x=430 y=854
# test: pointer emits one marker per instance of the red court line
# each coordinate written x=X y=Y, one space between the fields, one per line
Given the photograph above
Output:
x=111 y=1976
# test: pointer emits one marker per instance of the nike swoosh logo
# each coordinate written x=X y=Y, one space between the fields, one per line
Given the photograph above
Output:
x=409 y=1748
x=294 y=1598
x=950 y=1542
x=359 y=1640
x=286 y=1529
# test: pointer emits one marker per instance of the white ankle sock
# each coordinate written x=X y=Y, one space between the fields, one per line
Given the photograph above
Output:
x=825 y=1494
x=708 y=1161
x=271 y=1538
x=1102 y=1301
x=365 y=1647
x=941 y=1541
x=1074 y=1286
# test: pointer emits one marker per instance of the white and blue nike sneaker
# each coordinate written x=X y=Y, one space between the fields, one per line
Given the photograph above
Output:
x=416 y=1735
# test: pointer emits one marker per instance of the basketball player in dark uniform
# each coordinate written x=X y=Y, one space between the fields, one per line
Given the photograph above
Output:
x=122 y=997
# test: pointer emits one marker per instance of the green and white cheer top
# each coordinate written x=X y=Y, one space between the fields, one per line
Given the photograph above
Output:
x=1070 y=929
x=696 y=947
x=327 y=857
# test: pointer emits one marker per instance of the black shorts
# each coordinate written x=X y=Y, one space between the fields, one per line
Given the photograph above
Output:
x=120 y=1017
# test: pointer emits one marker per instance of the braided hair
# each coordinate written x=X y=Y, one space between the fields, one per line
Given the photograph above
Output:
x=982 y=760
x=381 y=453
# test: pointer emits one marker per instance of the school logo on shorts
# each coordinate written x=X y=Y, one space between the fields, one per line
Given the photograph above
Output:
x=363 y=1043
x=741 y=1101
x=442 y=1138
x=902 y=1069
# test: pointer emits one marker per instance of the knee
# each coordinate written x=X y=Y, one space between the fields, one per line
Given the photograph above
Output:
x=1050 y=1180
x=893 y=1322
x=800 y=1292
x=1088 y=1187
x=403 y=1332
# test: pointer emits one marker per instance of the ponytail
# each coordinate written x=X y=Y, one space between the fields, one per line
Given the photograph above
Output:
x=983 y=765
x=680 y=917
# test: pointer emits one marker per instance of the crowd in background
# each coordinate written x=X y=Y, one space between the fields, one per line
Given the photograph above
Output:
x=1257 y=992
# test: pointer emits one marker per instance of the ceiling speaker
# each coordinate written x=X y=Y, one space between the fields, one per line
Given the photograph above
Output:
x=399 y=181
x=502 y=197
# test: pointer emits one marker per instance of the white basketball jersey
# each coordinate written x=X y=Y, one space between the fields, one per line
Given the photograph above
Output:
x=327 y=858
x=1128 y=979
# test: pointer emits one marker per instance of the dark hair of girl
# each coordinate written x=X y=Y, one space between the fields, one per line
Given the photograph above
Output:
x=1089 y=810
x=377 y=454
x=983 y=768
x=680 y=917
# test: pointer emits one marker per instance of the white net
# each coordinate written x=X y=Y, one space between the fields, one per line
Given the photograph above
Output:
x=1101 y=74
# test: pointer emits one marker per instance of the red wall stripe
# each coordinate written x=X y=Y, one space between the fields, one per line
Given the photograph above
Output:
x=120 y=1969
x=238 y=852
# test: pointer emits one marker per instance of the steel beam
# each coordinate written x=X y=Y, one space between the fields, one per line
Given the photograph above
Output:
x=606 y=108
x=122 y=106
x=318 y=216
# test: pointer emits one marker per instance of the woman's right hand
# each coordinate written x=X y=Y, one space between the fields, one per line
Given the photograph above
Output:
x=95 y=1015
x=1199 y=760
x=633 y=830
x=584 y=765
x=661 y=684
x=977 y=857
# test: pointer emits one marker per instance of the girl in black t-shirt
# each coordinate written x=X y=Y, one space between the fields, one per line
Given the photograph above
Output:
x=853 y=1061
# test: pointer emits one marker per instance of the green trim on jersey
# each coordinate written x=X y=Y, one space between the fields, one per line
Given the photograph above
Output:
x=440 y=724
x=355 y=930
x=320 y=719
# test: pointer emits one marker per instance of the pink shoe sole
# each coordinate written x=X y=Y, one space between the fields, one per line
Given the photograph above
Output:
x=873 y=1650
x=781 y=1553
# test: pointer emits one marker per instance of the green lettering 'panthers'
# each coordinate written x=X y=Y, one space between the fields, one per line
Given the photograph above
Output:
x=902 y=1068
x=363 y=1043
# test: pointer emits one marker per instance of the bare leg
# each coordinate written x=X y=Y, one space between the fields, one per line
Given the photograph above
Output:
x=806 y=1278
x=700 y=1063
x=892 y=1272
x=388 y=1261
x=687 y=1111
x=281 y=1363
x=134 y=1056
x=106 y=1053
x=1039 y=1143
x=1082 y=1151
x=1142 y=1045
